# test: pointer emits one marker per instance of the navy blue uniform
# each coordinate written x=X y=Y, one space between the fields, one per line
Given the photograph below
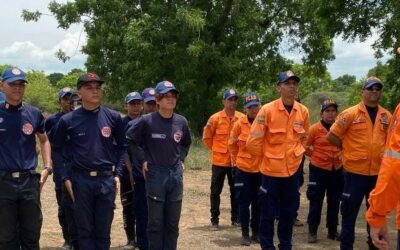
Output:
x=164 y=144
x=20 y=213
x=96 y=144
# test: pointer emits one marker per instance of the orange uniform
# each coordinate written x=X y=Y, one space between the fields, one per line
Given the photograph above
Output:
x=278 y=137
x=216 y=135
x=323 y=154
x=237 y=147
x=386 y=195
x=362 y=142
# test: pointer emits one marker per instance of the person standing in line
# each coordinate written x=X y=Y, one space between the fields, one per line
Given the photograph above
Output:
x=134 y=107
x=149 y=100
x=96 y=142
x=247 y=178
x=361 y=133
x=325 y=174
x=278 y=135
x=160 y=141
x=216 y=137
x=50 y=124
x=20 y=186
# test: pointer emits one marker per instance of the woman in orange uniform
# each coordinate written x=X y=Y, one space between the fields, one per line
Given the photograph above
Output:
x=325 y=174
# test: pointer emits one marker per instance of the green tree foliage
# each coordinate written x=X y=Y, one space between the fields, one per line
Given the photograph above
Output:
x=40 y=93
x=69 y=80
x=55 y=77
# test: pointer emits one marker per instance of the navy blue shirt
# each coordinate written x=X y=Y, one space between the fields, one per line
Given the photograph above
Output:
x=96 y=139
x=161 y=138
x=50 y=124
x=18 y=126
x=2 y=97
x=127 y=123
x=137 y=170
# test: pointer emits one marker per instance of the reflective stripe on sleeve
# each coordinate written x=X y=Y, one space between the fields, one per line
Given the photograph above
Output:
x=391 y=154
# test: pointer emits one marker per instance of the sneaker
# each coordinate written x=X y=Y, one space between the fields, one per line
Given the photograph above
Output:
x=298 y=223
x=214 y=227
x=66 y=246
x=312 y=238
x=235 y=223
x=245 y=241
x=130 y=245
x=333 y=236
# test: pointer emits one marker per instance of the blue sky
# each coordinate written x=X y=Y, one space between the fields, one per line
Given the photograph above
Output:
x=33 y=45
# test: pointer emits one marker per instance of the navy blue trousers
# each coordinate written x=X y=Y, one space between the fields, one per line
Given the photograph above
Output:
x=278 y=194
x=322 y=181
x=94 y=210
x=247 y=186
x=62 y=218
x=356 y=188
x=140 y=210
x=164 y=187
x=128 y=215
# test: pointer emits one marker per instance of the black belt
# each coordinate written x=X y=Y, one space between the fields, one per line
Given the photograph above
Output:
x=17 y=174
x=95 y=173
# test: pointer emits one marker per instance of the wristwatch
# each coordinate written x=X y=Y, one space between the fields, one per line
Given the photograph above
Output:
x=49 y=170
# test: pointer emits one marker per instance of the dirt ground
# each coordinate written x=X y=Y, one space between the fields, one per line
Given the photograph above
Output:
x=194 y=225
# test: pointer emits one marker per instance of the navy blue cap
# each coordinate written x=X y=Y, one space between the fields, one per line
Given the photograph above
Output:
x=286 y=75
x=13 y=74
x=148 y=95
x=165 y=87
x=328 y=103
x=65 y=91
x=370 y=81
x=251 y=99
x=88 y=77
x=133 y=96
x=229 y=93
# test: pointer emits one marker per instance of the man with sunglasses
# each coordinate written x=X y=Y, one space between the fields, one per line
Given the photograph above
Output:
x=361 y=132
x=215 y=137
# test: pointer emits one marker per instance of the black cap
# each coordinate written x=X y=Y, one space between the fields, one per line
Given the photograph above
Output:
x=88 y=77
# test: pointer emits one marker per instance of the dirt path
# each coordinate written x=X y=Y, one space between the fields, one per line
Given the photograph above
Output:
x=194 y=232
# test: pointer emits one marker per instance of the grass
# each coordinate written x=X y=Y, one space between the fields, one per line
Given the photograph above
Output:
x=199 y=156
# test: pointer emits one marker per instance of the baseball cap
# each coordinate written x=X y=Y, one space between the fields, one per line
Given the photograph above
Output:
x=165 y=87
x=13 y=74
x=328 y=103
x=370 y=81
x=88 y=77
x=133 y=96
x=64 y=91
x=229 y=93
x=148 y=95
x=251 y=99
x=286 y=75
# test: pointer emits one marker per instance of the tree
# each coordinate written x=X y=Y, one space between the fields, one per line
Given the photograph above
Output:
x=40 y=93
x=54 y=78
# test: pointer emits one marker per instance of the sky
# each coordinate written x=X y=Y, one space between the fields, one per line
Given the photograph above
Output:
x=32 y=45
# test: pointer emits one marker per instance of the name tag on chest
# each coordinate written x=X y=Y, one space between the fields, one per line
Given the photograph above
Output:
x=158 y=136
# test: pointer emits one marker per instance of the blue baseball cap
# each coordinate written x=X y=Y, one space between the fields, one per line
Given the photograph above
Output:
x=370 y=81
x=65 y=91
x=165 y=87
x=286 y=75
x=229 y=93
x=328 y=103
x=13 y=74
x=148 y=95
x=133 y=96
x=251 y=99
x=2 y=97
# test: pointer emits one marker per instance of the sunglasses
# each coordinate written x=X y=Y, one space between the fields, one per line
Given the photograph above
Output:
x=374 y=88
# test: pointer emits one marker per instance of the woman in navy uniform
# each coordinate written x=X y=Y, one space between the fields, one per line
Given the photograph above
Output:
x=20 y=185
x=161 y=141
x=96 y=142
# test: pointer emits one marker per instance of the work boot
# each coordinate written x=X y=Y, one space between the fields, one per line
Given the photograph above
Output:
x=254 y=235
x=130 y=245
x=214 y=226
x=245 y=241
x=312 y=234
x=66 y=246
x=298 y=223
x=333 y=234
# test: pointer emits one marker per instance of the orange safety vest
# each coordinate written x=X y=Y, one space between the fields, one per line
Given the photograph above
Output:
x=216 y=135
x=237 y=147
x=362 y=141
x=386 y=195
x=279 y=137
x=323 y=154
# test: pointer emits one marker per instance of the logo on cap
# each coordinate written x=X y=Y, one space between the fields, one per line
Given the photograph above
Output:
x=106 y=131
x=66 y=89
x=168 y=84
x=289 y=73
x=232 y=92
x=178 y=136
x=16 y=71
x=27 y=129
x=152 y=92
x=91 y=75
x=133 y=93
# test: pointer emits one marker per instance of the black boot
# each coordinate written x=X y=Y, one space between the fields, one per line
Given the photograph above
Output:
x=254 y=235
x=312 y=234
x=245 y=241
x=333 y=234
